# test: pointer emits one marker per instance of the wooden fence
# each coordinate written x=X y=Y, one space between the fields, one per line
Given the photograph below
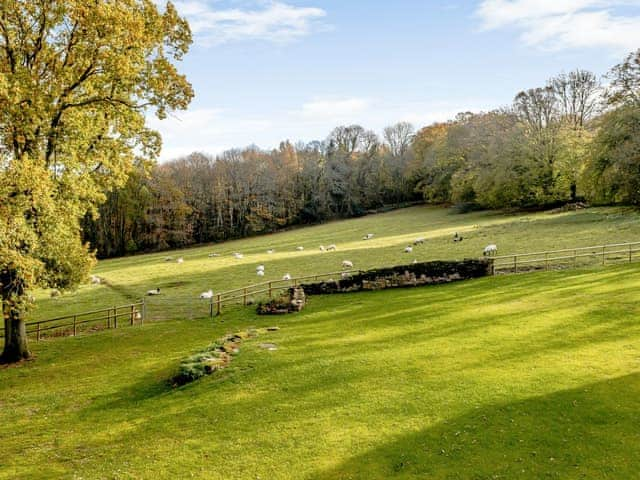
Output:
x=68 y=325
x=243 y=295
x=566 y=257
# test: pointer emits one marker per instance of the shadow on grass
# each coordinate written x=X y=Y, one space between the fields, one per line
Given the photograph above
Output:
x=588 y=432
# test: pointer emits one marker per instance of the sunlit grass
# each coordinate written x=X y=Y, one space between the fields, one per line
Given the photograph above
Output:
x=534 y=376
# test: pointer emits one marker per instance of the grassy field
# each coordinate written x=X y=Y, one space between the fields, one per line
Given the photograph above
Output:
x=129 y=278
x=531 y=376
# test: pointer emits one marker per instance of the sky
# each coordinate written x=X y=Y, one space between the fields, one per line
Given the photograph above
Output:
x=265 y=71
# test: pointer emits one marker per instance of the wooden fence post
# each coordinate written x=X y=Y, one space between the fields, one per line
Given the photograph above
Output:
x=115 y=317
x=219 y=308
x=133 y=312
x=38 y=332
x=270 y=292
x=74 y=325
x=144 y=311
x=211 y=307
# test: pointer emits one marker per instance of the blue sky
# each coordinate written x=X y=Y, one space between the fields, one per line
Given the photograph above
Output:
x=265 y=71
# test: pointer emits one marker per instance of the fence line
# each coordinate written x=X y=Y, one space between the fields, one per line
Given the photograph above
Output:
x=69 y=324
x=543 y=260
x=242 y=295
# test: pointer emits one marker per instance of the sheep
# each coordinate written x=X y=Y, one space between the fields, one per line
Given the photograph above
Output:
x=207 y=294
x=155 y=291
x=368 y=236
x=345 y=275
x=168 y=259
x=238 y=255
x=419 y=241
x=490 y=250
x=456 y=237
x=55 y=292
x=180 y=260
x=211 y=255
x=286 y=276
x=260 y=268
x=322 y=249
x=408 y=249
x=260 y=273
x=270 y=251
x=300 y=249
x=95 y=280
x=331 y=247
x=347 y=264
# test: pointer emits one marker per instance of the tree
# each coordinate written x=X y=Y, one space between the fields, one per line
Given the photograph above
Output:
x=76 y=79
x=625 y=81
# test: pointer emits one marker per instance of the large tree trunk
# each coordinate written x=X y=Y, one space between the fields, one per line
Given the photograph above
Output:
x=15 y=331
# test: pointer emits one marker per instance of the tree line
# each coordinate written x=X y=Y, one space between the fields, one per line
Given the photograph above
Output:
x=577 y=138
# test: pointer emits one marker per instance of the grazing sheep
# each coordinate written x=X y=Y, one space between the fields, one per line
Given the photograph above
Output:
x=300 y=249
x=260 y=268
x=419 y=241
x=260 y=273
x=490 y=250
x=408 y=249
x=456 y=237
x=368 y=236
x=322 y=249
x=270 y=251
x=155 y=291
x=207 y=294
x=238 y=255
x=286 y=276
x=168 y=259
x=214 y=255
x=180 y=260
x=347 y=264
x=55 y=292
x=95 y=280
x=331 y=247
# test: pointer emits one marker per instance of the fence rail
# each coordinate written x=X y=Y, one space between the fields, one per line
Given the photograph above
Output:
x=68 y=325
x=579 y=256
x=242 y=295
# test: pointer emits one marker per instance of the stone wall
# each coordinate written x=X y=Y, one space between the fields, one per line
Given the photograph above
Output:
x=413 y=275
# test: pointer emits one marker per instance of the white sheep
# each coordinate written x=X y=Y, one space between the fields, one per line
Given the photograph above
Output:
x=300 y=249
x=270 y=251
x=260 y=273
x=331 y=247
x=168 y=259
x=260 y=268
x=95 y=280
x=490 y=250
x=180 y=260
x=368 y=236
x=419 y=241
x=238 y=255
x=347 y=264
x=207 y=294
x=286 y=276
x=408 y=249
x=155 y=291
x=322 y=249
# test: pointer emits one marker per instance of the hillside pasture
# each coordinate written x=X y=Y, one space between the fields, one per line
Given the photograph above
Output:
x=127 y=279
x=522 y=376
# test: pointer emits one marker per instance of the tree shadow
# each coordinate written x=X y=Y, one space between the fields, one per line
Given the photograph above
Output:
x=588 y=432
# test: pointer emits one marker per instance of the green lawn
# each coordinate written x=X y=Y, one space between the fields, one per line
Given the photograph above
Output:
x=526 y=376
x=129 y=278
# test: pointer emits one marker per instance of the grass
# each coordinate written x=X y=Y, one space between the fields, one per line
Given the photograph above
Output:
x=533 y=376
x=129 y=278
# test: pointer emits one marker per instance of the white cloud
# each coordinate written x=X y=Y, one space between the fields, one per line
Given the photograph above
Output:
x=562 y=24
x=274 y=21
